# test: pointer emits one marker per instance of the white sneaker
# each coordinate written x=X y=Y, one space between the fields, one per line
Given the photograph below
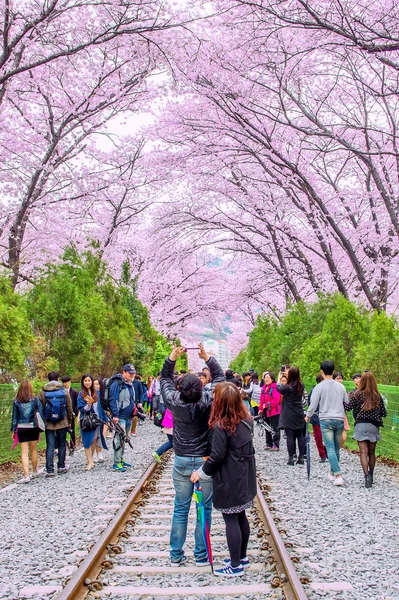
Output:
x=24 y=480
x=331 y=477
x=338 y=480
x=38 y=473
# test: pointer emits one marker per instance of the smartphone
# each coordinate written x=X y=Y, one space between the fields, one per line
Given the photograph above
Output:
x=194 y=348
x=282 y=368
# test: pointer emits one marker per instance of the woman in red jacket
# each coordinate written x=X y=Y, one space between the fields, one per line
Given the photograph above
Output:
x=270 y=406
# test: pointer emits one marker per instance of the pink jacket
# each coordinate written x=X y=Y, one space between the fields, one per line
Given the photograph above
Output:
x=167 y=420
x=270 y=400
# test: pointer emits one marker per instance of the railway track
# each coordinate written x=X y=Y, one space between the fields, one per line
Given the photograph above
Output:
x=131 y=557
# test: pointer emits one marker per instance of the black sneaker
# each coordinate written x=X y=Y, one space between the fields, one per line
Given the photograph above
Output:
x=291 y=461
x=202 y=563
x=178 y=563
x=50 y=474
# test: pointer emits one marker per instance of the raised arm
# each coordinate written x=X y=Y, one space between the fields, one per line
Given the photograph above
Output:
x=168 y=386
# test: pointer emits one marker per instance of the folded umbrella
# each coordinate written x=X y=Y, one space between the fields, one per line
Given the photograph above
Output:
x=198 y=497
x=307 y=450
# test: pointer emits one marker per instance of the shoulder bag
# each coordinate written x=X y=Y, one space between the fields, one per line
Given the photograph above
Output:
x=37 y=417
x=89 y=421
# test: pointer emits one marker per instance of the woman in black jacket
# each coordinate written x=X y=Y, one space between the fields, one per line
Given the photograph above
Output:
x=232 y=468
x=292 y=414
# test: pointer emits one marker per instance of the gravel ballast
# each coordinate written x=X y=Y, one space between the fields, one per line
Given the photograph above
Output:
x=343 y=535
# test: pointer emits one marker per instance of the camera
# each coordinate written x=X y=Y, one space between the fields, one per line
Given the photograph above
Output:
x=141 y=415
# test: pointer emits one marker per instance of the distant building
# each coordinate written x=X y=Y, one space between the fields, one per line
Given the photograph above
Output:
x=220 y=350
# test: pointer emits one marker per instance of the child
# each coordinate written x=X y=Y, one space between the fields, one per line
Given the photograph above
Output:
x=232 y=468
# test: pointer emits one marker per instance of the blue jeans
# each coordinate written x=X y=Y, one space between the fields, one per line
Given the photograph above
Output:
x=55 y=438
x=332 y=431
x=166 y=446
x=182 y=470
x=126 y=424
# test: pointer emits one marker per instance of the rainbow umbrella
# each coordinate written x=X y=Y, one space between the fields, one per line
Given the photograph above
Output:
x=198 y=497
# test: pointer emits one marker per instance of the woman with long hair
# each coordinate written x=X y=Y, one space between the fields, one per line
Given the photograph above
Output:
x=270 y=406
x=231 y=465
x=99 y=386
x=247 y=389
x=23 y=425
x=88 y=402
x=292 y=415
x=368 y=412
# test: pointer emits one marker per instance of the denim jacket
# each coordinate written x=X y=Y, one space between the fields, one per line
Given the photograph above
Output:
x=23 y=412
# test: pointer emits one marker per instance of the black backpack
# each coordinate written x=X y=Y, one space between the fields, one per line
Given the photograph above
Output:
x=104 y=398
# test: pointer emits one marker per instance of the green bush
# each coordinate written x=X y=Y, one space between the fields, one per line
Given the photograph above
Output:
x=15 y=332
x=332 y=328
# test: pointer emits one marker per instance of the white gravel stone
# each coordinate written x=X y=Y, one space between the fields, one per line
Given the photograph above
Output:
x=344 y=534
x=350 y=533
x=48 y=524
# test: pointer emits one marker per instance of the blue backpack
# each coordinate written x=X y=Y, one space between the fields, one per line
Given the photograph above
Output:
x=55 y=406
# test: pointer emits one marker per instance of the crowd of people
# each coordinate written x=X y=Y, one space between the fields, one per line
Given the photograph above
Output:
x=208 y=420
x=114 y=404
x=286 y=407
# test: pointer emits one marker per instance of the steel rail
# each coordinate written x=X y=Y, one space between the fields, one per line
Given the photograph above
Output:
x=293 y=591
x=91 y=565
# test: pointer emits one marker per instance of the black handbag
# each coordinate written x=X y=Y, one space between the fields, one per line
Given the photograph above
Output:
x=158 y=418
x=89 y=421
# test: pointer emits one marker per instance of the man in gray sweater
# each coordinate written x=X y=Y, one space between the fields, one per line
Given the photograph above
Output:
x=329 y=396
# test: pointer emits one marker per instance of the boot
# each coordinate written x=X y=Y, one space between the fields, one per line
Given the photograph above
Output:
x=372 y=477
x=301 y=460
x=368 y=481
x=291 y=461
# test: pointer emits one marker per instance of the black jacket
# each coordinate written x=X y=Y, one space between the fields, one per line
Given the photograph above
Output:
x=74 y=397
x=232 y=466
x=292 y=415
x=191 y=434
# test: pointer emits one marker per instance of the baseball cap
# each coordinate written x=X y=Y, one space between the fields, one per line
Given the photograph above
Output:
x=129 y=369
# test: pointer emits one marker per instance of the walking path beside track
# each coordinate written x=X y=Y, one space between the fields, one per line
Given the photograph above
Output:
x=345 y=538
x=345 y=535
